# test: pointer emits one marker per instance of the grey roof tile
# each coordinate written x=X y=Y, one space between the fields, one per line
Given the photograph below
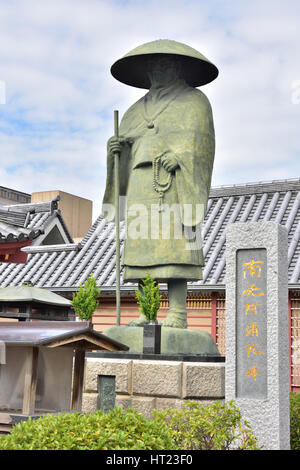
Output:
x=21 y=222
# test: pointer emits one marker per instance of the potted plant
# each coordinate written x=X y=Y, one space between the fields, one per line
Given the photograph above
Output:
x=149 y=302
x=85 y=301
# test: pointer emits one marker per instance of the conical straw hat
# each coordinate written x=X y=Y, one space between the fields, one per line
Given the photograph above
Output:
x=132 y=67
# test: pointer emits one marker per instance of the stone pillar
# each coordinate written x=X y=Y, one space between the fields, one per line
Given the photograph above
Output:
x=257 y=341
x=2 y=353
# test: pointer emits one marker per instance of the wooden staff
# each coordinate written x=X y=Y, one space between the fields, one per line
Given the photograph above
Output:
x=117 y=220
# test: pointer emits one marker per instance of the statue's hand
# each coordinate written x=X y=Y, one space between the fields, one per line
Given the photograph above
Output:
x=115 y=144
x=169 y=162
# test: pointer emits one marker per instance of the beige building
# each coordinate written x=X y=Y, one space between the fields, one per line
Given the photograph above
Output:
x=76 y=211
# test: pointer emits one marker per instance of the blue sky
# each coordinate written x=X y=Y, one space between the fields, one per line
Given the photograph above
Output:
x=55 y=58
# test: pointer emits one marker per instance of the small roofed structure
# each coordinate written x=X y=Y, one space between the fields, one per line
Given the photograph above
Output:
x=13 y=237
x=27 y=302
x=17 y=229
x=33 y=224
x=42 y=369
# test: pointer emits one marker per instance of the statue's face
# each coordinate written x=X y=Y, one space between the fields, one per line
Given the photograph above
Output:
x=163 y=71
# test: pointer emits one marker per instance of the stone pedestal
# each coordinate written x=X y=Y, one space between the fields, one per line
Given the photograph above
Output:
x=146 y=385
x=173 y=340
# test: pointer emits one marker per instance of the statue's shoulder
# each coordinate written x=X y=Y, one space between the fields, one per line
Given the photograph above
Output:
x=198 y=98
x=133 y=109
x=132 y=117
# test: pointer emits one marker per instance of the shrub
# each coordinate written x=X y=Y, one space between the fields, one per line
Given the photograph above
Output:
x=85 y=301
x=115 y=430
x=295 y=420
x=149 y=301
x=218 y=426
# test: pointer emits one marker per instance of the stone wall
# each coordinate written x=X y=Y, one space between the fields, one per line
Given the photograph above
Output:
x=146 y=385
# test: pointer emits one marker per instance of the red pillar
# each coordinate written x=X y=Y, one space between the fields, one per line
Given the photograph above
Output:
x=214 y=315
x=290 y=339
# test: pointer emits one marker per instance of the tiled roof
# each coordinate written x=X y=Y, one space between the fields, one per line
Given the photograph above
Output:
x=65 y=267
x=20 y=222
x=14 y=225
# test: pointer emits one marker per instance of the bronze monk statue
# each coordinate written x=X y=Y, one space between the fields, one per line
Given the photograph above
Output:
x=166 y=144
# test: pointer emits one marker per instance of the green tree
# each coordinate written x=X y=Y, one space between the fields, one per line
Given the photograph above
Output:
x=85 y=301
x=149 y=300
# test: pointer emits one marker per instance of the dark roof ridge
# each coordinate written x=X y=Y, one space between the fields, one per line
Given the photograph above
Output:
x=258 y=187
x=33 y=207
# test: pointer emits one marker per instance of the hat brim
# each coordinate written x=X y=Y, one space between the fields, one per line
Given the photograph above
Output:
x=132 y=70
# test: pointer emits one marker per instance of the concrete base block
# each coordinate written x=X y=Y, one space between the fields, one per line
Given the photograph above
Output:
x=89 y=402
x=123 y=401
x=146 y=385
x=203 y=380
x=157 y=378
x=144 y=405
x=165 y=403
x=119 y=368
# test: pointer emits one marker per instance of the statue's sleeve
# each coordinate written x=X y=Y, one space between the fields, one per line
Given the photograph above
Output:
x=108 y=203
x=195 y=154
x=129 y=121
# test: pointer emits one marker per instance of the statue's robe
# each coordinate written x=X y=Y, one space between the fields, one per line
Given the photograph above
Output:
x=183 y=125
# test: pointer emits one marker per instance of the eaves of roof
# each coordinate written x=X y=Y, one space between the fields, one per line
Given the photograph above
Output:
x=17 y=222
x=50 y=333
x=11 y=233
